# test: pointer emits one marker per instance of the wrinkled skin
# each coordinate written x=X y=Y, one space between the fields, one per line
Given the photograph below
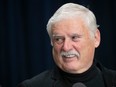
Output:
x=73 y=35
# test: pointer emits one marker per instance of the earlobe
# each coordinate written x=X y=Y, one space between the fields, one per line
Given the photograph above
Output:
x=97 y=38
x=51 y=43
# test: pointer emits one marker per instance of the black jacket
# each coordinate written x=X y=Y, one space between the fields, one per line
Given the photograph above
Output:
x=53 y=79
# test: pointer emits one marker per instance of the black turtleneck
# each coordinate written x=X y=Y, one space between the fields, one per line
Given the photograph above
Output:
x=91 y=78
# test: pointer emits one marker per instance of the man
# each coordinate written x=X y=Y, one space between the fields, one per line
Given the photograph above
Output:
x=74 y=36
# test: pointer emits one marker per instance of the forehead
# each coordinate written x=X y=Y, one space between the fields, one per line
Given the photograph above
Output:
x=69 y=25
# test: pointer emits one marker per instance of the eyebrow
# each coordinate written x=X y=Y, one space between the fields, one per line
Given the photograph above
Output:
x=56 y=35
x=74 y=34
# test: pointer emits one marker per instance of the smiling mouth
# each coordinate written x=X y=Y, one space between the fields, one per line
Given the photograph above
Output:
x=69 y=56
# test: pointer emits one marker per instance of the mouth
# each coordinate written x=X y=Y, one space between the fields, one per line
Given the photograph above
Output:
x=69 y=56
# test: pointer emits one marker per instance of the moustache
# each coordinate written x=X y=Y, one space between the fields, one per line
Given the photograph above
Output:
x=69 y=53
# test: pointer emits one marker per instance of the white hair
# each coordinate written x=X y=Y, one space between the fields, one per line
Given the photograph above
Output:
x=73 y=10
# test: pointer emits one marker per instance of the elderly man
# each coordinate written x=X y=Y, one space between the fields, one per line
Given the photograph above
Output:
x=74 y=36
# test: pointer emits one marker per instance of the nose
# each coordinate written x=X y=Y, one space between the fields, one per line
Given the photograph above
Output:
x=67 y=45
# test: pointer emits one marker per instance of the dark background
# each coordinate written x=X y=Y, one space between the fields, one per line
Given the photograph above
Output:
x=25 y=48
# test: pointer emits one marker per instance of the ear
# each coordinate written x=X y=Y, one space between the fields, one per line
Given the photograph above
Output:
x=51 y=42
x=97 y=38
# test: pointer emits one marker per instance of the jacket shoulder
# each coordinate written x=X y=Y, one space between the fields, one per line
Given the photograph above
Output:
x=107 y=72
x=109 y=75
x=110 y=72
x=43 y=79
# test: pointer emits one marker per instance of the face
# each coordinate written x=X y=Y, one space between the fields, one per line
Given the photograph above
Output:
x=73 y=46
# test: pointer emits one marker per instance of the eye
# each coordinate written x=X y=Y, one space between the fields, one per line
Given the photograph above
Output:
x=58 y=39
x=75 y=37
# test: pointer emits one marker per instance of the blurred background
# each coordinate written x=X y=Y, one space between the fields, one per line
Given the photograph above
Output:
x=25 y=49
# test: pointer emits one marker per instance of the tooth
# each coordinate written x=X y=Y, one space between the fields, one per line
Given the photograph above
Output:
x=70 y=55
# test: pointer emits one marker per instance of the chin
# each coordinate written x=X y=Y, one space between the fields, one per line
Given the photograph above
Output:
x=70 y=69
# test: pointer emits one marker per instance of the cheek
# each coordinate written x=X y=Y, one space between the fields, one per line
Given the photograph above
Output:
x=56 y=49
x=85 y=47
x=87 y=51
x=56 y=55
